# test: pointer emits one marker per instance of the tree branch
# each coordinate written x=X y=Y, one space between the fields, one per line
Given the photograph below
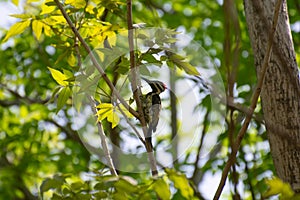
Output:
x=255 y=97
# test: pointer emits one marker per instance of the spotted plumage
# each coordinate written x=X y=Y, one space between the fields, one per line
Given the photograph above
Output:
x=152 y=105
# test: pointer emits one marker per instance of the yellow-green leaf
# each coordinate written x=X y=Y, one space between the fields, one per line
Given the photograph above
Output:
x=188 y=68
x=71 y=59
x=16 y=29
x=162 y=189
x=114 y=119
x=47 y=9
x=105 y=105
x=58 y=77
x=63 y=96
x=16 y=2
x=109 y=111
x=37 y=27
x=76 y=3
x=104 y=113
x=277 y=186
x=105 y=109
x=21 y=16
x=180 y=62
x=23 y=111
x=181 y=183
x=125 y=111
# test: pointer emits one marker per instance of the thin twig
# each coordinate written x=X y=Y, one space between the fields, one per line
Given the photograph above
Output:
x=204 y=131
x=94 y=60
x=255 y=97
x=174 y=126
x=103 y=139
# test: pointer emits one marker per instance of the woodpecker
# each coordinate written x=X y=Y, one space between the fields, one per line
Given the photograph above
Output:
x=151 y=106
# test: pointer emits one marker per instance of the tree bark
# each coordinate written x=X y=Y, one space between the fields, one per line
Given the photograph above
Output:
x=280 y=94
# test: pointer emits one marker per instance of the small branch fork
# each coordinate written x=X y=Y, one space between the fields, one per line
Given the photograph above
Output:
x=255 y=97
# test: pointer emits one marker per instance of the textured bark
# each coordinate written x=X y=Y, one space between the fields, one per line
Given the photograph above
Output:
x=280 y=94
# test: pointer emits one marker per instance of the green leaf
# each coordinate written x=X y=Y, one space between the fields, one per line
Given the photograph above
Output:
x=52 y=183
x=126 y=184
x=56 y=90
x=77 y=100
x=21 y=16
x=149 y=58
x=162 y=189
x=37 y=27
x=181 y=183
x=16 y=29
x=63 y=96
x=180 y=62
x=59 y=77
x=188 y=68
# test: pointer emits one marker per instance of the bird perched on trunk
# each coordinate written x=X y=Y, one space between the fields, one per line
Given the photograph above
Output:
x=151 y=106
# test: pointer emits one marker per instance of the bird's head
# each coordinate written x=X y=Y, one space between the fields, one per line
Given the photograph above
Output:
x=156 y=86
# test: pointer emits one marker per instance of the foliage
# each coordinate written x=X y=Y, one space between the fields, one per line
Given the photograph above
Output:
x=123 y=187
x=41 y=84
x=277 y=186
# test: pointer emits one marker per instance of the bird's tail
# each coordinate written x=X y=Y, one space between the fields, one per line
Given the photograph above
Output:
x=148 y=138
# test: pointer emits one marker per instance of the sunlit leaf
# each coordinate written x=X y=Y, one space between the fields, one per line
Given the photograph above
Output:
x=71 y=59
x=47 y=9
x=16 y=2
x=162 y=189
x=76 y=3
x=104 y=113
x=59 y=77
x=114 y=119
x=21 y=16
x=23 y=111
x=37 y=27
x=277 y=186
x=181 y=183
x=90 y=9
x=16 y=29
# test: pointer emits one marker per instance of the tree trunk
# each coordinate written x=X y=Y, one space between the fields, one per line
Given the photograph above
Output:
x=280 y=94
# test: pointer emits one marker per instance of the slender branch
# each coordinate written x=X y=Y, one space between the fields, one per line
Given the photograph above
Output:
x=94 y=60
x=215 y=92
x=204 y=131
x=231 y=59
x=135 y=82
x=174 y=126
x=103 y=140
x=255 y=97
